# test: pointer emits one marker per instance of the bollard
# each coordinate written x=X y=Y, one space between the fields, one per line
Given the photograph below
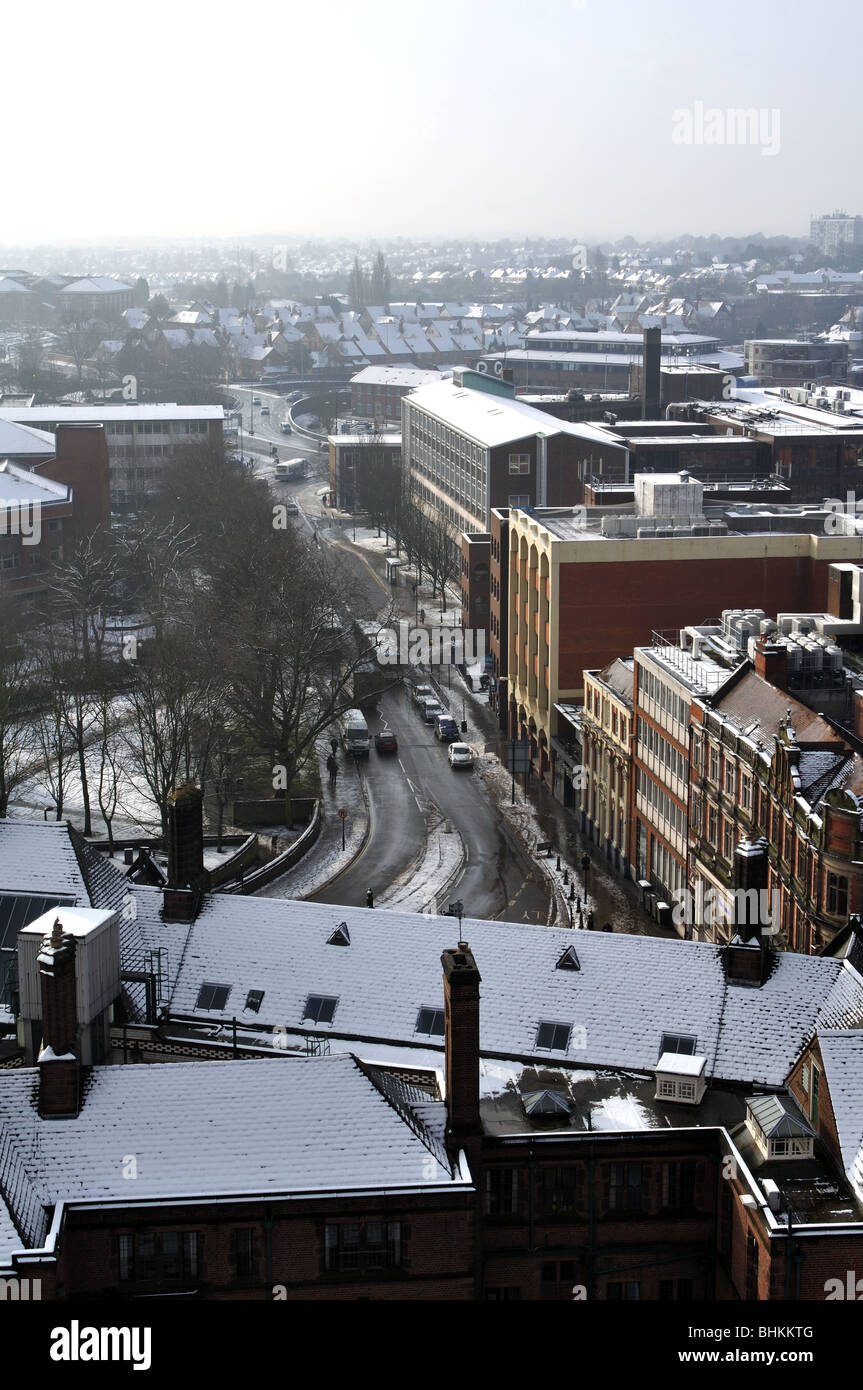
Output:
x=558 y=863
x=566 y=875
x=571 y=892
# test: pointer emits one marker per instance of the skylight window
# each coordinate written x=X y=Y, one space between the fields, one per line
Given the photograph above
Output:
x=569 y=960
x=553 y=1037
x=320 y=1008
x=212 y=996
x=341 y=936
x=431 y=1021
x=254 y=999
x=678 y=1042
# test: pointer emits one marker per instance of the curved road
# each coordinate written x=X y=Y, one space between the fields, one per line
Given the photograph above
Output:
x=499 y=879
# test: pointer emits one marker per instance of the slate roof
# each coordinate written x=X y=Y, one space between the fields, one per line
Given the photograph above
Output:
x=753 y=699
x=629 y=990
x=842 y=1054
x=210 y=1129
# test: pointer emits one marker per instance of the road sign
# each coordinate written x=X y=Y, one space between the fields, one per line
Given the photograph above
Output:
x=518 y=756
x=343 y=815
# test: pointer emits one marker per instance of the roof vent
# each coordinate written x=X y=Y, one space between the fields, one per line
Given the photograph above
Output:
x=341 y=936
x=569 y=960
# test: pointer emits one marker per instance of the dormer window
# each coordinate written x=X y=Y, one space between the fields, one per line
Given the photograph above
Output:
x=569 y=960
x=341 y=936
x=680 y=1077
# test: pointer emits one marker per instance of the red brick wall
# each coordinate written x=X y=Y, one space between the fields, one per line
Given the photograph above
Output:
x=82 y=464
x=607 y=609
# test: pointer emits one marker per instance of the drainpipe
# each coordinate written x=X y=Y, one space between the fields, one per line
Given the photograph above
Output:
x=531 y=1202
x=268 y=1224
x=591 y=1229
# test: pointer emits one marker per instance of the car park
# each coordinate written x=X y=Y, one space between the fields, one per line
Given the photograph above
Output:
x=386 y=741
x=430 y=710
x=460 y=755
x=446 y=729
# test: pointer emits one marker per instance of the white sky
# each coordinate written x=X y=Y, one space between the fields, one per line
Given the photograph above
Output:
x=422 y=117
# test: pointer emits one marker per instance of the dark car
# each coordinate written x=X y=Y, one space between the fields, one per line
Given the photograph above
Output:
x=446 y=729
x=386 y=741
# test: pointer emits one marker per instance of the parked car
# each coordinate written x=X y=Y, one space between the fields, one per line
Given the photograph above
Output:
x=386 y=741
x=285 y=427
x=423 y=692
x=265 y=410
x=430 y=710
x=291 y=508
x=446 y=729
x=459 y=755
x=256 y=400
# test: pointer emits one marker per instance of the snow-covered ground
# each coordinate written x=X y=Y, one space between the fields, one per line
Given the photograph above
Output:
x=326 y=857
x=425 y=883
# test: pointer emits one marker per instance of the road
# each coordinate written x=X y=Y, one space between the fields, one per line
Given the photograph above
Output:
x=499 y=880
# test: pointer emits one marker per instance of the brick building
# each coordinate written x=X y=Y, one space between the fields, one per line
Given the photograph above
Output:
x=586 y=587
x=377 y=392
x=624 y=1117
x=607 y=735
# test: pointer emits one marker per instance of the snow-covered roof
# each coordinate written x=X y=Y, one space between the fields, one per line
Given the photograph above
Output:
x=39 y=857
x=491 y=419
x=842 y=1054
x=19 y=486
x=97 y=284
x=19 y=440
x=61 y=414
x=395 y=376
x=217 y=1129
x=629 y=991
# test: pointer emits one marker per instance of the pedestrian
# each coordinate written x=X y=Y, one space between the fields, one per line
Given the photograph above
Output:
x=422 y=617
x=370 y=898
x=414 y=590
x=334 y=744
x=332 y=769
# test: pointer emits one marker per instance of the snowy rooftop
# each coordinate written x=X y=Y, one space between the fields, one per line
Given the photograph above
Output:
x=491 y=419
x=842 y=1054
x=217 y=1129
x=18 y=440
x=629 y=991
x=61 y=414
x=18 y=486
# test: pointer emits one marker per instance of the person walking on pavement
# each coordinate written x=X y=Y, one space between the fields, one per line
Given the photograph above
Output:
x=332 y=769
x=334 y=744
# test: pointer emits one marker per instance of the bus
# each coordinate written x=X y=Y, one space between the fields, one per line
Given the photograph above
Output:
x=292 y=468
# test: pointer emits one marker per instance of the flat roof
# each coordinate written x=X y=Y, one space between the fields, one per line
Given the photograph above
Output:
x=156 y=410
x=491 y=420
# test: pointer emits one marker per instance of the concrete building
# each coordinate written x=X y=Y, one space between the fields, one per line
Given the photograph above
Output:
x=470 y=446
x=140 y=438
x=363 y=466
x=835 y=232
x=789 y=362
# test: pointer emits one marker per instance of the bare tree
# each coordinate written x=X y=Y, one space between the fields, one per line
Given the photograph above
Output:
x=18 y=758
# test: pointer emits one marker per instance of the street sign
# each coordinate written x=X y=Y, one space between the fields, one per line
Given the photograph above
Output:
x=343 y=815
x=518 y=756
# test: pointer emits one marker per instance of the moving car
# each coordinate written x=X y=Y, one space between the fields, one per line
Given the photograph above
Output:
x=423 y=692
x=256 y=400
x=291 y=508
x=355 y=733
x=446 y=729
x=265 y=410
x=460 y=755
x=430 y=710
x=285 y=427
x=386 y=741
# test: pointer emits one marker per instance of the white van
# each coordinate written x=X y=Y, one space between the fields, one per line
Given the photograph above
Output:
x=355 y=734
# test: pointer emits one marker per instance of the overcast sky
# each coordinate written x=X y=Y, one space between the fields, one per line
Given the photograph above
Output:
x=429 y=118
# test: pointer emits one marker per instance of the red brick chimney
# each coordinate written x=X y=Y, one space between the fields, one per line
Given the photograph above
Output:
x=461 y=981
x=59 y=1065
x=771 y=662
